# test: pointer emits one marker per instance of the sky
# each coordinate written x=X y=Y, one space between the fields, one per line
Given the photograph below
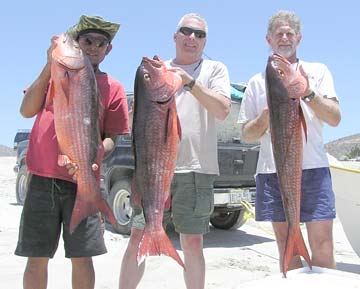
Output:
x=236 y=37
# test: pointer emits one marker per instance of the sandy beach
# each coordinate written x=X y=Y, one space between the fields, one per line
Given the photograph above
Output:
x=232 y=258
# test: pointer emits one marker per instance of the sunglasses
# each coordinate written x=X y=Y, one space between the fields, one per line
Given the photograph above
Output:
x=99 y=42
x=188 y=31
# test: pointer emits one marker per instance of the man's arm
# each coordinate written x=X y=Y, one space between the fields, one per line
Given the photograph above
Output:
x=34 y=96
x=217 y=104
x=255 y=128
x=326 y=109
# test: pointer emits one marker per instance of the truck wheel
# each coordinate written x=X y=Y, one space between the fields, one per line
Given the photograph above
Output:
x=119 y=201
x=228 y=220
x=21 y=185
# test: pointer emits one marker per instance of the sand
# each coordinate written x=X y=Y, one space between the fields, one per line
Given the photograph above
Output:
x=233 y=258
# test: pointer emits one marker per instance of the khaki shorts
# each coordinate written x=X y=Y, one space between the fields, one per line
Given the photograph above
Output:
x=192 y=203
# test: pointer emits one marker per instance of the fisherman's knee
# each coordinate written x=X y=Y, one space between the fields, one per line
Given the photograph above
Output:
x=322 y=245
x=191 y=243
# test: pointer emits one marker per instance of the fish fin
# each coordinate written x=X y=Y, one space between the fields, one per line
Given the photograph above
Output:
x=303 y=123
x=169 y=125
x=83 y=208
x=172 y=124
x=179 y=127
x=65 y=85
x=63 y=160
x=135 y=196
x=300 y=249
x=50 y=94
x=167 y=204
x=156 y=243
x=295 y=245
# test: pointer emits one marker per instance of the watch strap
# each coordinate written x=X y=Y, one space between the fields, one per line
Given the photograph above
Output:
x=309 y=97
x=190 y=85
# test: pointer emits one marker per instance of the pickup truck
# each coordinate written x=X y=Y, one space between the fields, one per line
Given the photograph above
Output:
x=234 y=188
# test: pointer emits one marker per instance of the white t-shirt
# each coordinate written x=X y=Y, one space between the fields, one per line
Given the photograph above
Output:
x=255 y=100
x=198 y=147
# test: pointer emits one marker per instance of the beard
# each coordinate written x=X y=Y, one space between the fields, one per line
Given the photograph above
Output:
x=286 y=51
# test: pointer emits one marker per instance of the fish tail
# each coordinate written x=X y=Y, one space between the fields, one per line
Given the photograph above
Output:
x=82 y=209
x=157 y=243
x=108 y=213
x=300 y=249
x=295 y=245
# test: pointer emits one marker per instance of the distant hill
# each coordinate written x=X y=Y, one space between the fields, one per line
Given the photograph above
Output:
x=341 y=147
x=6 y=151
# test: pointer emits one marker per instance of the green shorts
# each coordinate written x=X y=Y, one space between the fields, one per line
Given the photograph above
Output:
x=192 y=203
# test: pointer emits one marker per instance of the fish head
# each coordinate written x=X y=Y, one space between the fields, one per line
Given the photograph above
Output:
x=294 y=82
x=68 y=53
x=160 y=83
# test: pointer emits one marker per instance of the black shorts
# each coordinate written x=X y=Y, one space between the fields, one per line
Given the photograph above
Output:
x=48 y=207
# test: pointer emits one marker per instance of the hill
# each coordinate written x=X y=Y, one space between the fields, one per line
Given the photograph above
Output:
x=341 y=147
x=6 y=151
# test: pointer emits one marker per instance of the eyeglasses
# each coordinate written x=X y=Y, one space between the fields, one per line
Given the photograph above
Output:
x=99 y=42
x=188 y=31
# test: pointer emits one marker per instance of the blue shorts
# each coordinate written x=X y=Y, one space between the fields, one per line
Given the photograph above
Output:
x=317 y=199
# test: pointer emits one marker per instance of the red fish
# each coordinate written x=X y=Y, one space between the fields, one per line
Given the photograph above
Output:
x=285 y=85
x=73 y=91
x=156 y=133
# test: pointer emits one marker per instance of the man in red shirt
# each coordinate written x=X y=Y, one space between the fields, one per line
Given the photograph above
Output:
x=52 y=189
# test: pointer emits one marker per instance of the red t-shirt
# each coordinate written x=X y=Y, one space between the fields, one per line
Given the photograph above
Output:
x=43 y=151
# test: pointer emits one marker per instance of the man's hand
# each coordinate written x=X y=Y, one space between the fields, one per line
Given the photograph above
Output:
x=186 y=78
x=72 y=169
x=307 y=90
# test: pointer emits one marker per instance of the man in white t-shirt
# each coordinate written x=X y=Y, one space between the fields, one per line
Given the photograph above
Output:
x=204 y=97
x=320 y=105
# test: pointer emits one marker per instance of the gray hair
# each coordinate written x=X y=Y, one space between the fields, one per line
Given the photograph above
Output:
x=287 y=16
x=195 y=16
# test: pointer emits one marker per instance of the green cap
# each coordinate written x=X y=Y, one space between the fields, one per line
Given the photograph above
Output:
x=94 y=24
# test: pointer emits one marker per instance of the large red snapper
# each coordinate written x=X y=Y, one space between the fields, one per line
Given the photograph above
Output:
x=285 y=86
x=73 y=91
x=156 y=133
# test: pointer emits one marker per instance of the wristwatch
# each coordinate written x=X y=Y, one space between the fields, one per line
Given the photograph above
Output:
x=310 y=97
x=190 y=85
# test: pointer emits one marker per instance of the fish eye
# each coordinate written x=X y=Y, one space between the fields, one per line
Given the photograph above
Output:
x=147 y=76
x=281 y=73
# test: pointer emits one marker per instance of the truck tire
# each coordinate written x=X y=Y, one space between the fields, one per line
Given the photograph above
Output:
x=228 y=220
x=21 y=185
x=119 y=201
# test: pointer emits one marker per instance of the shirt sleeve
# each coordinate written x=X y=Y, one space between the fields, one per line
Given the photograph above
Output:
x=116 y=120
x=220 y=80
x=248 y=104
x=326 y=84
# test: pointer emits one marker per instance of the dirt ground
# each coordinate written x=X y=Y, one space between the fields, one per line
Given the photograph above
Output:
x=233 y=258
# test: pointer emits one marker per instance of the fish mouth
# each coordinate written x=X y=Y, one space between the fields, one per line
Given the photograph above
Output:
x=155 y=62
x=71 y=58
x=279 y=63
x=65 y=64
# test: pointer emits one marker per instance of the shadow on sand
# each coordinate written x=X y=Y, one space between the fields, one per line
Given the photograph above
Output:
x=347 y=267
x=223 y=238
